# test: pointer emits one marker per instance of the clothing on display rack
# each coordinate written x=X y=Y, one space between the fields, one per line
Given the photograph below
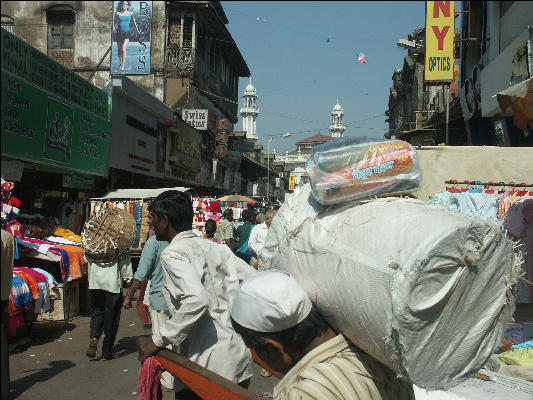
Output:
x=510 y=208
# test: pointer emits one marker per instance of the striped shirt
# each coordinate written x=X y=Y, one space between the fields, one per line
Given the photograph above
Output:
x=337 y=370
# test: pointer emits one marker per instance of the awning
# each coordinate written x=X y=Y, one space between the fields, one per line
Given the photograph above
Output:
x=520 y=98
x=139 y=193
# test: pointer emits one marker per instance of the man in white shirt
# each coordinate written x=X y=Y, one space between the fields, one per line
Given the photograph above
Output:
x=276 y=318
x=200 y=278
x=105 y=286
x=256 y=241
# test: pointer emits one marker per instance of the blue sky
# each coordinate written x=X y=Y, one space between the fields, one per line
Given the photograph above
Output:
x=298 y=74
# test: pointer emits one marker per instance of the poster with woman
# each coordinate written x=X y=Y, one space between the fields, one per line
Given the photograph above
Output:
x=131 y=37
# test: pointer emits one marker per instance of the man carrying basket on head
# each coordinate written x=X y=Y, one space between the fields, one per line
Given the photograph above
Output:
x=106 y=240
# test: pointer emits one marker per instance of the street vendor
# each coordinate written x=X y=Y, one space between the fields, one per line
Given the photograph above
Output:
x=200 y=278
x=276 y=318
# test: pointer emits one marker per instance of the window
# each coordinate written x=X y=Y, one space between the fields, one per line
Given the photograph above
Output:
x=7 y=23
x=60 y=28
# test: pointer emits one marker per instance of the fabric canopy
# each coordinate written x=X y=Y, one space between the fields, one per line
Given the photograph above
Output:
x=510 y=95
x=139 y=193
x=237 y=197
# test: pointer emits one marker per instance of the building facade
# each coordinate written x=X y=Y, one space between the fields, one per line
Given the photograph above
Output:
x=417 y=111
x=194 y=63
x=496 y=43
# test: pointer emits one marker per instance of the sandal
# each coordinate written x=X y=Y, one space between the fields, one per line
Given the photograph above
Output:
x=91 y=351
x=111 y=357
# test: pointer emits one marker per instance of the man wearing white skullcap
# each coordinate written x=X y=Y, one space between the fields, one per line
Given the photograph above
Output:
x=277 y=319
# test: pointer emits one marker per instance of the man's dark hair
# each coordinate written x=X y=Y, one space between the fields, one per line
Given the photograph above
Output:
x=296 y=337
x=176 y=206
x=247 y=216
x=228 y=211
x=210 y=227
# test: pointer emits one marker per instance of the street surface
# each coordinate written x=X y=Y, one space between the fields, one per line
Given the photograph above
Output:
x=54 y=364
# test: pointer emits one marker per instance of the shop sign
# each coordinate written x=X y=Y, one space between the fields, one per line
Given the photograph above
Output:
x=292 y=179
x=138 y=139
x=184 y=159
x=439 y=42
x=470 y=93
x=221 y=138
x=195 y=118
x=138 y=44
x=39 y=70
x=78 y=181
x=44 y=128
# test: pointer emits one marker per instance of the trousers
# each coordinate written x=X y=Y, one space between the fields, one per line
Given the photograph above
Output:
x=105 y=308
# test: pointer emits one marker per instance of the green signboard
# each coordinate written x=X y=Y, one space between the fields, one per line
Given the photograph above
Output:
x=78 y=181
x=64 y=125
x=28 y=63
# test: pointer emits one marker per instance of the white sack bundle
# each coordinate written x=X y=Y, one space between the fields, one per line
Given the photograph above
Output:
x=425 y=291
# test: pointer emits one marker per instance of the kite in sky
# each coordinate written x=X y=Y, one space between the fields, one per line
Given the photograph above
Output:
x=361 y=58
x=262 y=20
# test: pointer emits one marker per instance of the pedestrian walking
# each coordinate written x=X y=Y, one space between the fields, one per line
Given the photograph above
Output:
x=200 y=280
x=149 y=270
x=210 y=229
x=105 y=288
x=256 y=241
x=224 y=231
x=242 y=233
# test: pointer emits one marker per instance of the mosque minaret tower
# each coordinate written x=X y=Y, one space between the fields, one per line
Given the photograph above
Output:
x=336 y=128
x=249 y=111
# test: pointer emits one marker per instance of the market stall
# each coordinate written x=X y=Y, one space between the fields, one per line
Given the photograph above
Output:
x=50 y=270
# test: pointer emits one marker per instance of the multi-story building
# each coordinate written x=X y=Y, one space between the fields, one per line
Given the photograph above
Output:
x=496 y=43
x=492 y=53
x=189 y=62
x=417 y=111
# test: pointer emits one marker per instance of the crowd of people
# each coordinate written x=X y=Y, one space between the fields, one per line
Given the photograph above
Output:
x=208 y=303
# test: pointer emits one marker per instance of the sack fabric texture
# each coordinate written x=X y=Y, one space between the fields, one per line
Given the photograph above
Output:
x=426 y=291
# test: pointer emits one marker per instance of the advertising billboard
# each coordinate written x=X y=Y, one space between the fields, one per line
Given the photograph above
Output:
x=131 y=37
x=439 y=43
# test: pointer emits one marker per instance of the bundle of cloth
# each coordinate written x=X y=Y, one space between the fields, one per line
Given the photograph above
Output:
x=350 y=169
x=425 y=291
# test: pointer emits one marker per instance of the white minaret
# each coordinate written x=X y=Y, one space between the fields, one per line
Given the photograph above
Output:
x=249 y=111
x=336 y=127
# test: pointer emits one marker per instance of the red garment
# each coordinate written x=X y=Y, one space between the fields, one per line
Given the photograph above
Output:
x=13 y=201
x=39 y=277
x=215 y=205
x=150 y=380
